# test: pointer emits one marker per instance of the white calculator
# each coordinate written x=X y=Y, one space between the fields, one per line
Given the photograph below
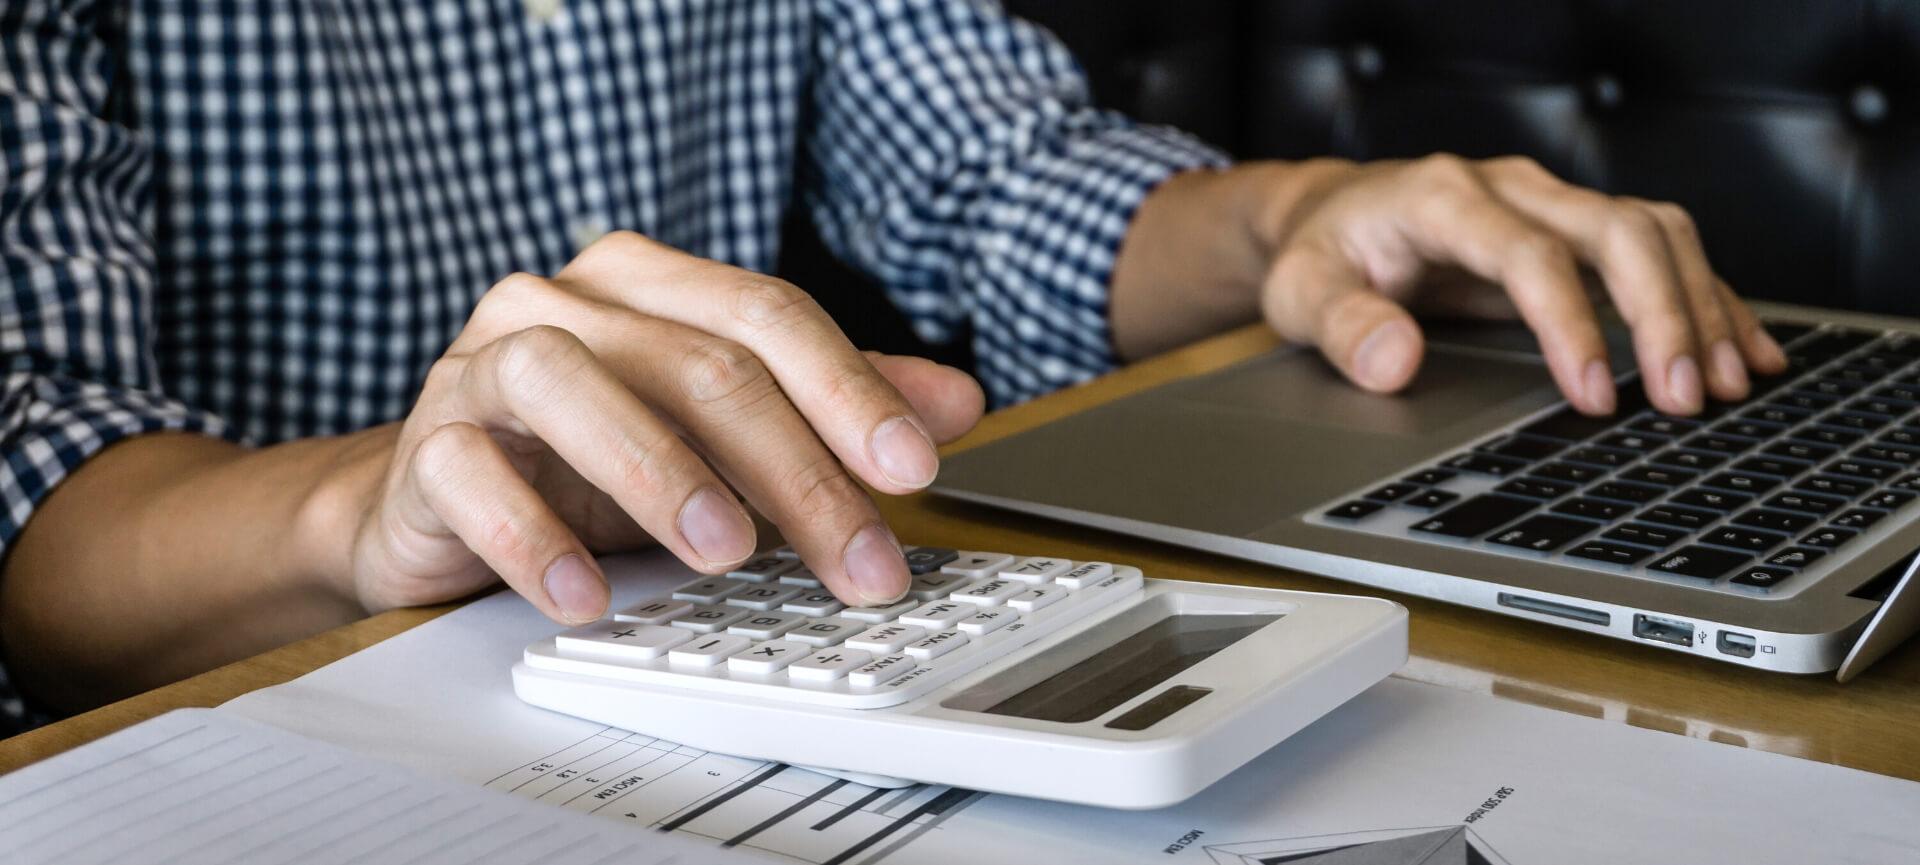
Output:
x=1036 y=676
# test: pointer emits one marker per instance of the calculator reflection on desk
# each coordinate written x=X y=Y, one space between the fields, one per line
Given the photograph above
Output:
x=1032 y=675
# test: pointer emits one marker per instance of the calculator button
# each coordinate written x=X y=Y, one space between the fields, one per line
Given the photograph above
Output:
x=938 y=614
x=708 y=618
x=1037 y=570
x=878 y=615
x=820 y=603
x=1086 y=575
x=886 y=639
x=621 y=640
x=710 y=590
x=880 y=671
x=767 y=626
x=707 y=651
x=821 y=633
x=785 y=553
x=763 y=569
x=987 y=621
x=991 y=593
x=765 y=597
x=972 y=564
x=655 y=612
x=769 y=657
x=801 y=577
x=926 y=559
x=827 y=665
x=1035 y=598
x=926 y=587
x=934 y=645
x=1117 y=583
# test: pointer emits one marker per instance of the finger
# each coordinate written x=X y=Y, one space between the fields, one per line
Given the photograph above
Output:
x=545 y=381
x=860 y=415
x=1721 y=360
x=725 y=398
x=949 y=400
x=1629 y=248
x=1452 y=217
x=459 y=474
x=1317 y=296
x=1762 y=351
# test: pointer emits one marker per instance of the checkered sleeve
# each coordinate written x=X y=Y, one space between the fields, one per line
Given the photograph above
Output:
x=953 y=155
x=76 y=255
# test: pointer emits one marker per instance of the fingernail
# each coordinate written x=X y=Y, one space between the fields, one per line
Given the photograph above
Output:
x=1385 y=357
x=876 y=566
x=904 y=453
x=716 y=529
x=575 y=588
x=1727 y=364
x=1597 y=384
x=1683 y=383
x=1773 y=357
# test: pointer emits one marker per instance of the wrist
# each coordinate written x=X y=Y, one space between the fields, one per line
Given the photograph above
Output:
x=328 y=518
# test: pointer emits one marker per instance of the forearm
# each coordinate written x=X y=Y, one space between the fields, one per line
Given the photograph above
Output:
x=170 y=554
x=1199 y=247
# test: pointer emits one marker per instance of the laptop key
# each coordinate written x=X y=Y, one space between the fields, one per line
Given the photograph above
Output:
x=1804 y=401
x=1657 y=537
x=1355 y=510
x=1691 y=519
x=1705 y=563
x=1717 y=444
x=1536 y=488
x=1690 y=460
x=1805 y=503
x=1777 y=521
x=1910 y=483
x=1901 y=438
x=1761 y=577
x=1845 y=488
x=1429 y=500
x=1569 y=426
x=1858 y=519
x=1638 y=494
x=1610 y=553
x=1713 y=500
x=1777 y=414
x=1744 y=428
x=1888 y=500
x=1572 y=472
x=1476 y=516
x=1772 y=466
x=1634 y=441
x=1743 y=538
x=1742 y=482
x=1805 y=451
x=1392 y=492
x=1664 y=425
x=1862 y=469
x=1829 y=538
x=1795 y=557
x=1593 y=509
x=1880 y=406
x=1429 y=477
x=1827 y=435
x=1525 y=447
x=1907 y=392
x=1658 y=476
x=1602 y=456
x=1486 y=464
x=1542 y=533
x=1856 y=420
x=1887 y=454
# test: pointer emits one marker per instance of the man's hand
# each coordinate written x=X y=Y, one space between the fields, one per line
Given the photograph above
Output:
x=624 y=401
x=1329 y=252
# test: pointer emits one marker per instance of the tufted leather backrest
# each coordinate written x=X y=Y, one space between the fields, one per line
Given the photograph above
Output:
x=1790 y=128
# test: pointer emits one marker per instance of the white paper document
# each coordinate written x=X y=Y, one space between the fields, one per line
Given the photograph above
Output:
x=1406 y=773
x=202 y=787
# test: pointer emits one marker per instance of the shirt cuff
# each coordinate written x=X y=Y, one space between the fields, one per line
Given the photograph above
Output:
x=1046 y=256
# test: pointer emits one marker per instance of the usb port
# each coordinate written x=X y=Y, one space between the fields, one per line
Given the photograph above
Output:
x=1737 y=645
x=1663 y=630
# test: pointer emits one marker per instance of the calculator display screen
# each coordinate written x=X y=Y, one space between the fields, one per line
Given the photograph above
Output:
x=1124 y=669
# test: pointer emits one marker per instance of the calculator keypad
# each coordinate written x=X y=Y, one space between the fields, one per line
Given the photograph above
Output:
x=755 y=629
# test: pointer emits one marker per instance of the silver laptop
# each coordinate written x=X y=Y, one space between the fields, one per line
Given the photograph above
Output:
x=1774 y=533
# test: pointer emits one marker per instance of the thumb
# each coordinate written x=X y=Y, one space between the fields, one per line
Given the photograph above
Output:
x=948 y=401
x=1318 y=297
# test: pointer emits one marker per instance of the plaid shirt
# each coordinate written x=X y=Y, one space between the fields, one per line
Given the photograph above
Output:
x=264 y=221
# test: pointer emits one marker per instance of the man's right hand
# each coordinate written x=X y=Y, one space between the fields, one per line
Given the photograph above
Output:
x=625 y=401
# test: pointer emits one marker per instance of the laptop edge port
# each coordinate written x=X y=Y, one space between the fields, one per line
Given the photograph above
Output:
x=1736 y=644
x=1662 y=630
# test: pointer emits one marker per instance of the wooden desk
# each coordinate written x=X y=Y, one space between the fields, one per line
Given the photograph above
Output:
x=1872 y=724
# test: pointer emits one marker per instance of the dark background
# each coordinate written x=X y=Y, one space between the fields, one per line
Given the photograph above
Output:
x=1790 y=128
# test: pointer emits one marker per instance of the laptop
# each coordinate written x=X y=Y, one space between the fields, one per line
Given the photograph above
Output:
x=1776 y=532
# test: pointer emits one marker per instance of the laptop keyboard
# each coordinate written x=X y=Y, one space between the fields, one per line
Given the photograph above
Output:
x=1746 y=496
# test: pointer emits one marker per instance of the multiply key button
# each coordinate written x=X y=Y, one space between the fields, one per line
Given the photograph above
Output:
x=1037 y=570
x=763 y=569
x=880 y=671
x=1085 y=575
x=825 y=632
x=814 y=604
x=708 y=618
x=1610 y=553
x=769 y=657
x=886 y=639
x=924 y=560
x=768 y=597
x=877 y=615
x=711 y=590
x=658 y=611
x=987 y=621
x=934 y=645
x=621 y=640
x=974 y=565
x=938 y=614
x=1761 y=577
x=707 y=651
x=827 y=665
x=766 y=626
x=926 y=587
x=991 y=593
x=1795 y=557
x=1702 y=562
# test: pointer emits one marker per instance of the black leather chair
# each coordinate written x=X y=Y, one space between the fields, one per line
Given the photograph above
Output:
x=1790 y=128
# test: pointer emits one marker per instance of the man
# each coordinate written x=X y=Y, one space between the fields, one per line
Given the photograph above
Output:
x=236 y=241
